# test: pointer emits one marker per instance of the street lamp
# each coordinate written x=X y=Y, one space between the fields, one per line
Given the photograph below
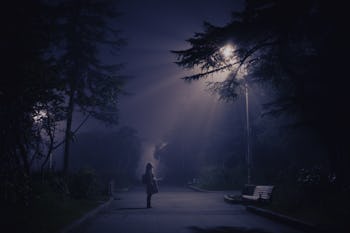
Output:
x=248 y=131
x=227 y=53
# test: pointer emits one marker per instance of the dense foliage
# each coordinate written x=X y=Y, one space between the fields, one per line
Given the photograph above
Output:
x=51 y=62
x=299 y=50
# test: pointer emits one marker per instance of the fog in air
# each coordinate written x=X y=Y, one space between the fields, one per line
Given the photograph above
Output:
x=196 y=115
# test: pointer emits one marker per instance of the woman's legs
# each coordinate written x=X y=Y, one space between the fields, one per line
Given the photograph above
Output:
x=149 y=195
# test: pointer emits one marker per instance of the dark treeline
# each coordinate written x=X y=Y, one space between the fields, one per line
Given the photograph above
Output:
x=215 y=156
x=51 y=67
x=112 y=155
x=197 y=147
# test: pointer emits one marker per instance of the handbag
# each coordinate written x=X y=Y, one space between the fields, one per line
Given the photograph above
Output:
x=154 y=186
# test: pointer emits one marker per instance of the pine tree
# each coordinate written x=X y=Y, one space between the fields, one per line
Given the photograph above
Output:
x=296 y=47
x=86 y=30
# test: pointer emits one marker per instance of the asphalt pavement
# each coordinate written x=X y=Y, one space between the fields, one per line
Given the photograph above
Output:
x=177 y=210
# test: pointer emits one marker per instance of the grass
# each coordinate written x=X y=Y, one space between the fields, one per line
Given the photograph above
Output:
x=307 y=215
x=315 y=215
x=331 y=214
x=48 y=212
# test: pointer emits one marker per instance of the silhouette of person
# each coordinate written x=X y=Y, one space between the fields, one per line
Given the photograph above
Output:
x=151 y=184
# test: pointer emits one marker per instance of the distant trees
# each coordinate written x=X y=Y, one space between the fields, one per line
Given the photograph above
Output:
x=193 y=147
x=296 y=48
x=113 y=155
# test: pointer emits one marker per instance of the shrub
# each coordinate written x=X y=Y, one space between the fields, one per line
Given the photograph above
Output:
x=83 y=184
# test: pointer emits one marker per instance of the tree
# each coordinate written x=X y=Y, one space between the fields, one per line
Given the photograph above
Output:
x=297 y=48
x=85 y=28
x=27 y=86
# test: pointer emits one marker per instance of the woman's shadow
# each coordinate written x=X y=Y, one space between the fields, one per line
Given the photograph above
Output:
x=132 y=208
x=224 y=229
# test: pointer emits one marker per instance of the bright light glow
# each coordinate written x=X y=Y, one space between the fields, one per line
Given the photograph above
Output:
x=227 y=52
x=39 y=116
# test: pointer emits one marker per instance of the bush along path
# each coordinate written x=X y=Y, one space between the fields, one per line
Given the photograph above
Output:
x=54 y=206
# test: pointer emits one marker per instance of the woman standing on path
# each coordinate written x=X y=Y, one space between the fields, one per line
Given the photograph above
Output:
x=151 y=184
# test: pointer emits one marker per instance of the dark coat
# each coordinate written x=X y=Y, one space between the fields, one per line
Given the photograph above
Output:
x=151 y=184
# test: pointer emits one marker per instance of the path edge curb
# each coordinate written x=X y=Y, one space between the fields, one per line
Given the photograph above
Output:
x=230 y=200
x=195 y=188
x=304 y=226
x=86 y=216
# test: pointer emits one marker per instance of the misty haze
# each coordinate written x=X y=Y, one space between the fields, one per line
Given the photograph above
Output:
x=174 y=116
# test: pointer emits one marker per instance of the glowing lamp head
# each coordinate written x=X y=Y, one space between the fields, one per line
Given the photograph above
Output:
x=227 y=52
x=39 y=116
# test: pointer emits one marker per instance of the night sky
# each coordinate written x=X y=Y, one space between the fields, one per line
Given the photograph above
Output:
x=159 y=99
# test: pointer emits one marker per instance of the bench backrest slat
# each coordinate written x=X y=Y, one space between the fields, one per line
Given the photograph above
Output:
x=263 y=191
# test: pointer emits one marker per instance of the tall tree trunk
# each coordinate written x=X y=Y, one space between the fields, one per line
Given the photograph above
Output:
x=68 y=133
x=74 y=76
x=23 y=152
x=47 y=157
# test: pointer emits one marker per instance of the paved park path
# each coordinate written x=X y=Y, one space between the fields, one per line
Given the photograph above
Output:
x=177 y=210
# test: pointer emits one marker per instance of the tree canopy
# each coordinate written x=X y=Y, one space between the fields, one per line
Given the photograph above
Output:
x=90 y=83
x=298 y=49
x=51 y=56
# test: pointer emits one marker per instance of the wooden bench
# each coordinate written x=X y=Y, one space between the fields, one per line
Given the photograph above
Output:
x=261 y=193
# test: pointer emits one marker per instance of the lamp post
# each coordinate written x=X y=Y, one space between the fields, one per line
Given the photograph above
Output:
x=227 y=53
x=248 y=132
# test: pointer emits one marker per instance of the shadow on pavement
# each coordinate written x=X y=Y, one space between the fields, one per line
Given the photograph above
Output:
x=132 y=208
x=224 y=229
